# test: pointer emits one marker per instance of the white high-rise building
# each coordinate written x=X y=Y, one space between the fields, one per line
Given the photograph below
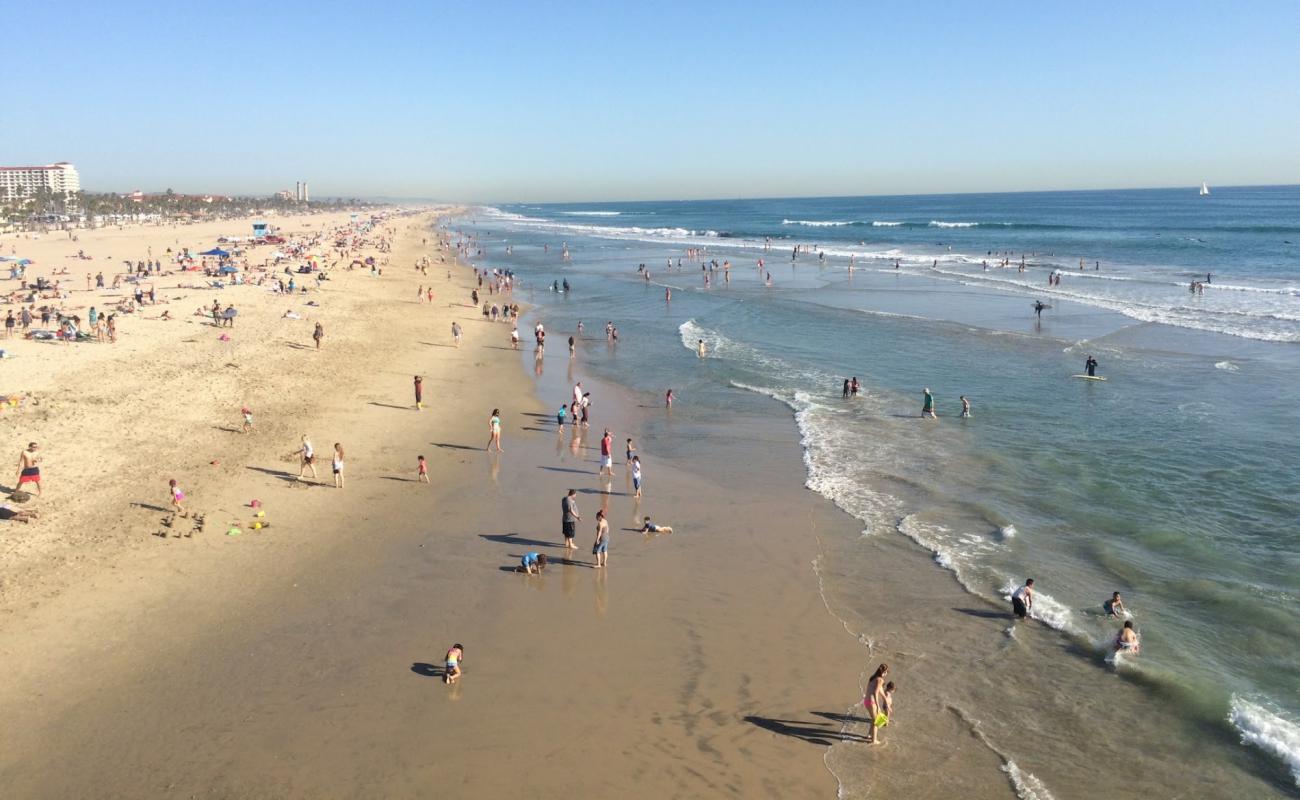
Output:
x=60 y=178
x=305 y=197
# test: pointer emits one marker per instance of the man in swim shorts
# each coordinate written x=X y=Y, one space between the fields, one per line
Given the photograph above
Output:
x=29 y=470
x=569 y=505
x=607 y=453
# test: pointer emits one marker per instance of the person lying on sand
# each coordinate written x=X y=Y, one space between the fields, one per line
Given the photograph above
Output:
x=650 y=527
x=9 y=513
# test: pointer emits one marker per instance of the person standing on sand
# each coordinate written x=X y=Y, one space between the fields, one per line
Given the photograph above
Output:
x=607 y=453
x=601 y=548
x=178 y=497
x=336 y=464
x=306 y=458
x=422 y=469
x=1022 y=600
x=318 y=334
x=29 y=468
x=927 y=406
x=419 y=392
x=570 y=518
x=494 y=427
x=874 y=700
x=636 y=477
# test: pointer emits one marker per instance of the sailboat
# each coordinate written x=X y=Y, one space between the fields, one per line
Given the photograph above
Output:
x=1205 y=189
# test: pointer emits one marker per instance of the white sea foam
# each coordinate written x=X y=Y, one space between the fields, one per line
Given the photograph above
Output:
x=816 y=223
x=1267 y=730
x=938 y=223
x=880 y=223
x=1027 y=786
x=1226 y=365
x=1007 y=532
x=591 y=213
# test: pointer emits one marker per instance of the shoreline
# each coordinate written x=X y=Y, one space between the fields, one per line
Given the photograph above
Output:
x=306 y=641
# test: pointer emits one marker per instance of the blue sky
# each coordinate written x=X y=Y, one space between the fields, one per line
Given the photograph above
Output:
x=541 y=101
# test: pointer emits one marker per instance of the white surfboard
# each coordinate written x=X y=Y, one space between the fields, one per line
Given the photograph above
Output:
x=1089 y=377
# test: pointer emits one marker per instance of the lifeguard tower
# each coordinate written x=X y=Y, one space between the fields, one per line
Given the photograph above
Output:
x=260 y=229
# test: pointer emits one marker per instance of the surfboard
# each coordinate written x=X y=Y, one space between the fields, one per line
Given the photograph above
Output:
x=1089 y=377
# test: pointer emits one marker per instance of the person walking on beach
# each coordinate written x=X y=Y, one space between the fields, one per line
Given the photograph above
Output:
x=845 y=393
x=854 y=386
x=601 y=548
x=607 y=453
x=874 y=700
x=570 y=518
x=455 y=655
x=318 y=334
x=178 y=497
x=306 y=458
x=455 y=333
x=1023 y=599
x=494 y=426
x=421 y=469
x=336 y=464
x=636 y=477
x=419 y=392
x=247 y=414
x=29 y=468
x=927 y=406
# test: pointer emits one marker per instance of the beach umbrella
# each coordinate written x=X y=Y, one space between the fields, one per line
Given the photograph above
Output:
x=227 y=270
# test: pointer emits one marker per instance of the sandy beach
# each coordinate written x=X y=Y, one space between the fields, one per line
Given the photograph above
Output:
x=304 y=659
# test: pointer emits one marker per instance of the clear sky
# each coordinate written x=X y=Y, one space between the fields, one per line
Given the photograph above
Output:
x=536 y=101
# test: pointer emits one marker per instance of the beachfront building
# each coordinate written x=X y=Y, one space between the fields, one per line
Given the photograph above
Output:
x=57 y=179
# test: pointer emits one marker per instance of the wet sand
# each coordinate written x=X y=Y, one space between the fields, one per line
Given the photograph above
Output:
x=304 y=660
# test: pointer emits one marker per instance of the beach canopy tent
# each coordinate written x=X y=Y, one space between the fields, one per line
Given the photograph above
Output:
x=228 y=270
x=216 y=251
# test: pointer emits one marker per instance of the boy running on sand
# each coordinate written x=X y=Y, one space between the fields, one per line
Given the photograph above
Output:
x=422 y=469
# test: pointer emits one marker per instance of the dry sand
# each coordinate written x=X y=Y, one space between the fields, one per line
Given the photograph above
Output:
x=301 y=661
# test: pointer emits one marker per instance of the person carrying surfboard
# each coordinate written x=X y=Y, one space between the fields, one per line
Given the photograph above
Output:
x=1090 y=366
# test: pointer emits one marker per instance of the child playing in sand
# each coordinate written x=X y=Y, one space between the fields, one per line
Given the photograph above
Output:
x=560 y=415
x=178 y=497
x=650 y=527
x=887 y=710
x=533 y=563
x=248 y=419
x=422 y=469
x=454 y=656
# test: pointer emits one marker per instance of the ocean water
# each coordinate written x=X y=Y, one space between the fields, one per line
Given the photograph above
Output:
x=1175 y=482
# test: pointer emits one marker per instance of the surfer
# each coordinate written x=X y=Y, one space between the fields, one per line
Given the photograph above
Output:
x=1091 y=367
x=1126 y=641
x=1039 y=305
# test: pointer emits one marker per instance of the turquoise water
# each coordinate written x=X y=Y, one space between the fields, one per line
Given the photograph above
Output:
x=1176 y=482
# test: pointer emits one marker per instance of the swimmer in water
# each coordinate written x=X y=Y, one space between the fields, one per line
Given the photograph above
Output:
x=1115 y=606
x=1126 y=641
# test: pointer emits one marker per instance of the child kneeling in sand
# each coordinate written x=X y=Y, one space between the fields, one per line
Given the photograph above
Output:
x=533 y=563
x=650 y=527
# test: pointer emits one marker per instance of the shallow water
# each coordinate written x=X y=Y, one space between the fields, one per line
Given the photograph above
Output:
x=1174 y=482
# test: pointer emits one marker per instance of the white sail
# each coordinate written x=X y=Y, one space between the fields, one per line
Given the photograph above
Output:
x=1205 y=189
